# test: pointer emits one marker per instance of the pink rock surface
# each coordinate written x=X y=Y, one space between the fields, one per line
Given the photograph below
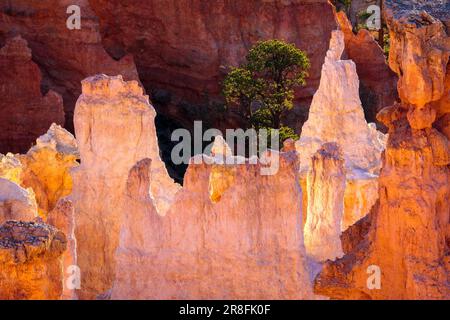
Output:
x=246 y=245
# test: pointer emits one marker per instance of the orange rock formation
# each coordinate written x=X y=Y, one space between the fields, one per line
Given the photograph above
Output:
x=407 y=239
x=30 y=266
x=46 y=167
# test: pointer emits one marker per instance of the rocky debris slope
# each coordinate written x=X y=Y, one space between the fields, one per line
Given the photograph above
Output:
x=246 y=243
x=46 y=167
x=325 y=186
x=65 y=56
x=407 y=240
x=24 y=113
x=30 y=266
x=114 y=125
x=336 y=115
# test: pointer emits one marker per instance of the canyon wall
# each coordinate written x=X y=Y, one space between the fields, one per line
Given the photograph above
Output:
x=25 y=113
x=193 y=43
x=408 y=239
x=64 y=56
x=182 y=50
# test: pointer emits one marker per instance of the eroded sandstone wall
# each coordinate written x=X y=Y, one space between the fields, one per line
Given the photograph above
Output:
x=245 y=244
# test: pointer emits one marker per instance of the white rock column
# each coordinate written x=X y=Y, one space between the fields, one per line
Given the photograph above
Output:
x=325 y=187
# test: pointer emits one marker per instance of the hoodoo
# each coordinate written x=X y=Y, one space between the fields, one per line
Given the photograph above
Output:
x=336 y=115
x=408 y=239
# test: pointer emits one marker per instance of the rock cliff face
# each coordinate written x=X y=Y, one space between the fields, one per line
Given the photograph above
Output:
x=199 y=233
x=65 y=56
x=30 y=267
x=336 y=115
x=407 y=240
x=114 y=125
x=24 y=113
x=192 y=44
x=46 y=167
x=325 y=186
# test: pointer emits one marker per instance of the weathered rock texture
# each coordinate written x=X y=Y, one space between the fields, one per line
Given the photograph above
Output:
x=325 y=186
x=16 y=203
x=65 y=56
x=336 y=115
x=247 y=244
x=30 y=266
x=46 y=167
x=114 y=126
x=24 y=113
x=10 y=168
x=361 y=193
x=377 y=82
x=407 y=239
x=193 y=42
x=62 y=217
